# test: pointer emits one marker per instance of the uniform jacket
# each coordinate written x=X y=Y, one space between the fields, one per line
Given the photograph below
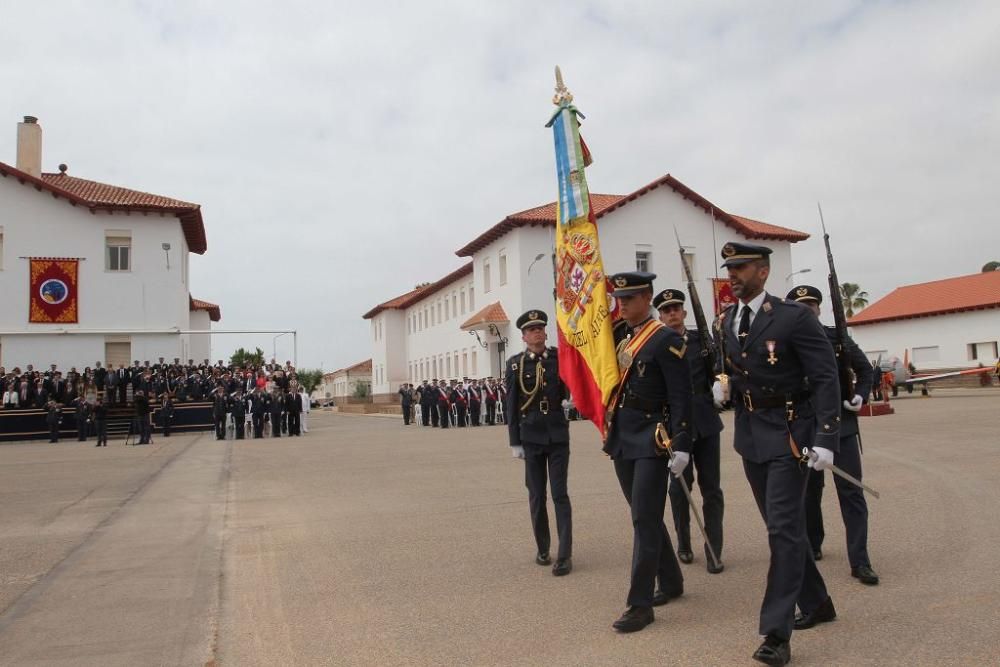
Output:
x=800 y=349
x=704 y=418
x=659 y=375
x=864 y=375
x=538 y=422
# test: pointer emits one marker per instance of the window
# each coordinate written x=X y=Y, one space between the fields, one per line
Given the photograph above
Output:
x=446 y=315
x=475 y=370
x=1 y=248
x=472 y=299
x=454 y=305
x=486 y=275
x=465 y=364
x=448 y=366
x=689 y=258
x=438 y=320
x=922 y=355
x=118 y=256
x=502 y=267
x=462 y=293
x=983 y=351
x=643 y=260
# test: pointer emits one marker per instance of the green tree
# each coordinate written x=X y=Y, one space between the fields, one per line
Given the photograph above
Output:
x=362 y=390
x=854 y=297
x=309 y=378
x=991 y=266
x=243 y=358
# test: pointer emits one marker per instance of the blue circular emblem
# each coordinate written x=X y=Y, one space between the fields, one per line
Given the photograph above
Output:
x=53 y=291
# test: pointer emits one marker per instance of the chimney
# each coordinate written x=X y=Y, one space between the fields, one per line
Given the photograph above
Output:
x=29 y=146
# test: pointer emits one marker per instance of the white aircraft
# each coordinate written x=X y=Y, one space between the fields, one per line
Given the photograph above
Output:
x=901 y=376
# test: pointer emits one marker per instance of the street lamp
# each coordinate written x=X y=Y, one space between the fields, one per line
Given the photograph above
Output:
x=795 y=273
x=274 y=346
x=539 y=256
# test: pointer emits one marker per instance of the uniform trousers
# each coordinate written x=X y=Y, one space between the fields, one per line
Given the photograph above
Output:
x=779 y=488
x=444 y=414
x=460 y=415
x=435 y=413
x=220 y=426
x=258 y=424
x=239 y=425
x=294 y=427
x=145 y=430
x=704 y=459
x=853 y=507
x=81 y=429
x=406 y=414
x=491 y=413
x=474 y=411
x=644 y=483
x=101 y=425
x=425 y=415
x=551 y=461
x=275 y=424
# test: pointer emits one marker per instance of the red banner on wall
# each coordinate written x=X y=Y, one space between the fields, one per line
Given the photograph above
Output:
x=723 y=292
x=53 y=290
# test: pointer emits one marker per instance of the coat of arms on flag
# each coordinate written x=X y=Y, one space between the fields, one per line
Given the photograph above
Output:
x=52 y=288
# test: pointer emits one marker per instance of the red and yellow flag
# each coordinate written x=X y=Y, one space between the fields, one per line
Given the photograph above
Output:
x=587 y=362
x=53 y=290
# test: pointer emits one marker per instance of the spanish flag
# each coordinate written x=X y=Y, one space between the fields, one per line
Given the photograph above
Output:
x=587 y=362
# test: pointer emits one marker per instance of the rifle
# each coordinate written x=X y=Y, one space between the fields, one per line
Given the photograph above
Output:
x=844 y=371
x=708 y=345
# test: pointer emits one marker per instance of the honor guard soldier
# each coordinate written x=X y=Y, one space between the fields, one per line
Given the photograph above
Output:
x=770 y=346
x=238 y=408
x=539 y=433
x=653 y=393
x=220 y=406
x=705 y=429
x=853 y=507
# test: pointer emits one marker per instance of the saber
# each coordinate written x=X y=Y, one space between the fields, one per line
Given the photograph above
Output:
x=810 y=456
x=663 y=442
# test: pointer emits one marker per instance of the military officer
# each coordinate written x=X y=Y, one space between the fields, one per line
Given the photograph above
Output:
x=539 y=433
x=705 y=429
x=853 y=507
x=238 y=408
x=771 y=345
x=654 y=391
x=432 y=404
x=220 y=406
x=443 y=402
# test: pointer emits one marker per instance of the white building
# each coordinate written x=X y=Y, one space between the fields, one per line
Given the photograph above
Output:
x=944 y=324
x=435 y=331
x=344 y=382
x=133 y=248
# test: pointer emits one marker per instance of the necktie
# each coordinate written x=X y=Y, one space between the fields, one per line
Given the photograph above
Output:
x=744 y=330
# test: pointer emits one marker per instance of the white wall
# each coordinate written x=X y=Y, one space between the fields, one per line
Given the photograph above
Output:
x=198 y=346
x=441 y=340
x=951 y=334
x=149 y=297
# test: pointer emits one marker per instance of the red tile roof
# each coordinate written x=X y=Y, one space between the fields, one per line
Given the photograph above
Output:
x=979 y=291
x=604 y=204
x=360 y=367
x=214 y=312
x=491 y=313
x=103 y=197
x=404 y=301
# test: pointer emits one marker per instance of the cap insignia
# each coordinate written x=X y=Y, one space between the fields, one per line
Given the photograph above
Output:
x=802 y=291
x=621 y=281
x=728 y=250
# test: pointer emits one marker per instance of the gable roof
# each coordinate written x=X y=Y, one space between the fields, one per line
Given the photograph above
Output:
x=360 y=367
x=604 y=204
x=491 y=313
x=96 y=196
x=404 y=301
x=980 y=291
x=214 y=312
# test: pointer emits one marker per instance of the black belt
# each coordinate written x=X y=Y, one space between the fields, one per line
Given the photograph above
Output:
x=644 y=404
x=542 y=406
x=758 y=402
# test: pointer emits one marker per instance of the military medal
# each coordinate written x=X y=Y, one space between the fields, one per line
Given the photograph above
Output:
x=624 y=359
x=771 y=359
x=641 y=367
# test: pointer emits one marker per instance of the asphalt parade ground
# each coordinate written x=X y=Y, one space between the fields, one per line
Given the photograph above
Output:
x=365 y=542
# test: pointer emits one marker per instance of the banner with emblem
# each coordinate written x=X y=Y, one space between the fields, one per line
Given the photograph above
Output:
x=584 y=310
x=53 y=290
x=723 y=292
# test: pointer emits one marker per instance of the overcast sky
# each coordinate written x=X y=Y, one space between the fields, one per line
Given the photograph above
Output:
x=342 y=153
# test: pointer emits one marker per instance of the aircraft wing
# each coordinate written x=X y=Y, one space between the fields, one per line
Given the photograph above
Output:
x=929 y=378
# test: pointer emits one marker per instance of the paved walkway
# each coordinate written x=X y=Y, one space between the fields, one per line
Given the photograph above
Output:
x=367 y=542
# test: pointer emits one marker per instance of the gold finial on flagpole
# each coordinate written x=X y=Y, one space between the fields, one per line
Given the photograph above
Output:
x=562 y=96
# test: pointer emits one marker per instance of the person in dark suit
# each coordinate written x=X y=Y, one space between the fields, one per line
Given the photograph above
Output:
x=100 y=376
x=277 y=408
x=460 y=399
x=654 y=391
x=53 y=418
x=475 y=403
x=406 y=402
x=81 y=415
x=141 y=407
x=705 y=429
x=538 y=433
x=259 y=408
x=490 y=396
x=101 y=422
x=853 y=507
x=433 y=396
x=166 y=414
x=293 y=406
x=220 y=407
x=443 y=400
x=238 y=408
x=771 y=346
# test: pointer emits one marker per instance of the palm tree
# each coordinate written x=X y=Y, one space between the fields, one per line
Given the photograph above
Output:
x=991 y=266
x=854 y=298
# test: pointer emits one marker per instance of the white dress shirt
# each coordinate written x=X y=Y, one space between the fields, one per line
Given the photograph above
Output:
x=754 y=307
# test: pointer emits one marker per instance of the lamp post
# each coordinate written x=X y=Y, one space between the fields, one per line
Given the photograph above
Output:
x=274 y=347
x=795 y=273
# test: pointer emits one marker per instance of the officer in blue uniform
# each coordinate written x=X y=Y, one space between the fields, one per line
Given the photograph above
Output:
x=771 y=346
x=853 y=507
x=539 y=434
x=705 y=429
x=654 y=389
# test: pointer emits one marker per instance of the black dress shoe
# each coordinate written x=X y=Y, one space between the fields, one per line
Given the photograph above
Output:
x=661 y=598
x=773 y=651
x=713 y=569
x=817 y=554
x=543 y=559
x=824 y=613
x=562 y=567
x=866 y=574
x=685 y=556
x=634 y=619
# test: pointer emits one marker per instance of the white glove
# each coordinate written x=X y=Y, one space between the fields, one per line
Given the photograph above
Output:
x=718 y=396
x=679 y=463
x=517 y=452
x=854 y=404
x=820 y=458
